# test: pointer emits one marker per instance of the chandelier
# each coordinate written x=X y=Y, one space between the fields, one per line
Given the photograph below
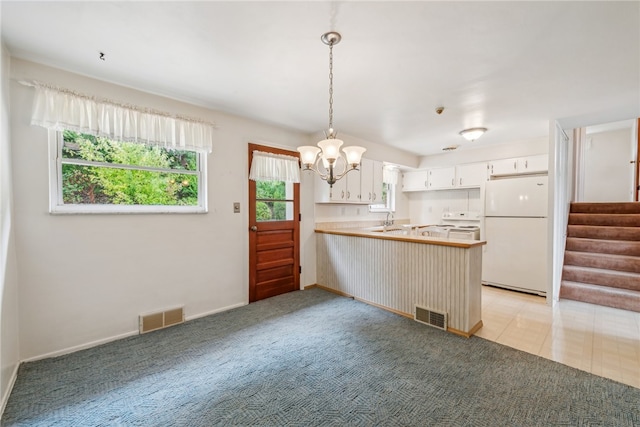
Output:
x=329 y=148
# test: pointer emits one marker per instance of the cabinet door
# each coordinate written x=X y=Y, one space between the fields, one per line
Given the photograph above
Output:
x=352 y=194
x=471 y=175
x=376 y=187
x=533 y=164
x=503 y=167
x=415 y=181
x=338 y=193
x=366 y=180
x=442 y=178
x=325 y=194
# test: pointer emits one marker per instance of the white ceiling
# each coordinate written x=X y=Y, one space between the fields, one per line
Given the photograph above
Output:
x=507 y=66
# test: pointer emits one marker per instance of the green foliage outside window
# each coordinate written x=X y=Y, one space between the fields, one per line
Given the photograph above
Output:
x=99 y=184
x=271 y=204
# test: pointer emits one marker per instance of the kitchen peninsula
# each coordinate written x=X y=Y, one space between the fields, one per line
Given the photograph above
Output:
x=400 y=272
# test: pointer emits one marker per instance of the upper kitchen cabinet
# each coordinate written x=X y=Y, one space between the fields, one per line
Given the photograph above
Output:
x=442 y=178
x=371 y=181
x=520 y=165
x=362 y=186
x=471 y=175
x=415 y=181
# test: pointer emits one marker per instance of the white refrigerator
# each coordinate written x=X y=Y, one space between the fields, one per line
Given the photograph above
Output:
x=515 y=228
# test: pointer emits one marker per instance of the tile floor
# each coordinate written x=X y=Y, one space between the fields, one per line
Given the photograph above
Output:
x=601 y=340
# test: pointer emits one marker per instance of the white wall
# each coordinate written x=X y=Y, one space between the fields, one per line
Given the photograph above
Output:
x=606 y=168
x=85 y=278
x=9 y=345
x=427 y=207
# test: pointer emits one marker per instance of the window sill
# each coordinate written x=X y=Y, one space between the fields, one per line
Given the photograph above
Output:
x=125 y=210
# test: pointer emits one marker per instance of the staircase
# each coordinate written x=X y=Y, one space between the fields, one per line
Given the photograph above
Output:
x=602 y=255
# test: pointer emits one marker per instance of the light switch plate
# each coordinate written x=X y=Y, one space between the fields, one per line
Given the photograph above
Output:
x=236 y=207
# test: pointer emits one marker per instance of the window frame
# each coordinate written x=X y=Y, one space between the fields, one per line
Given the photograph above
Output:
x=390 y=206
x=57 y=205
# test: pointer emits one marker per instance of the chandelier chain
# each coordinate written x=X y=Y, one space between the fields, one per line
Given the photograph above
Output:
x=331 y=88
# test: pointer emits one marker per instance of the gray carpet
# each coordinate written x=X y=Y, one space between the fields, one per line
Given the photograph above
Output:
x=311 y=358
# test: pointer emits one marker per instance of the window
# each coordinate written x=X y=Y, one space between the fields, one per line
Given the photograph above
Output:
x=388 y=199
x=91 y=174
x=274 y=201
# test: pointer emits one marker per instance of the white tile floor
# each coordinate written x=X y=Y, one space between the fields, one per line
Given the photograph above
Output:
x=601 y=340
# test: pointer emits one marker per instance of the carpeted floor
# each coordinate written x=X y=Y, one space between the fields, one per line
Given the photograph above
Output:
x=311 y=358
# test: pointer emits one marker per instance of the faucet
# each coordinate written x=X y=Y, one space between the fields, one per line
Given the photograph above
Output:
x=388 y=222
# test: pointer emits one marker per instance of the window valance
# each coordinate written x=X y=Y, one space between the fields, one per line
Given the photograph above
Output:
x=62 y=109
x=274 y=167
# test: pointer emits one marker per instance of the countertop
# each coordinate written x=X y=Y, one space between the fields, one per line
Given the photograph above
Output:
x=371 y=233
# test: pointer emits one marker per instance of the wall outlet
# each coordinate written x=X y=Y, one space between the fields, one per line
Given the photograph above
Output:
x=236 y=207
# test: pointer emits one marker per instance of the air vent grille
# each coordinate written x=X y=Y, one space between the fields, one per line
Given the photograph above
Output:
x=160 y=320
x=430 y=317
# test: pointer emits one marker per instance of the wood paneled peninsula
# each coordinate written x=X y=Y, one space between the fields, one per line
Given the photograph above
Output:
x=400 y=272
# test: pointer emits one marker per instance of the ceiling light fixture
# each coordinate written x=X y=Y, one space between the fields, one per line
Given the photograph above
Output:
x=329 y=151
x=473 y=133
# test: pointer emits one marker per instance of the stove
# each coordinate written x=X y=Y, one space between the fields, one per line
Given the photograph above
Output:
x=463 y=225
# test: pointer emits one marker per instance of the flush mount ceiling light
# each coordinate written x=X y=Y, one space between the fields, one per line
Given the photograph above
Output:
x=329 y=151
x=473 y=133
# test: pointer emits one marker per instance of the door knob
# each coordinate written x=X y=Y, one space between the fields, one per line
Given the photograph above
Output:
x=254 y=228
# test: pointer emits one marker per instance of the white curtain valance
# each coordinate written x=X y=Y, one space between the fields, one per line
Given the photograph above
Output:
x=390 y=175
x=274 y=167
x=61 y=109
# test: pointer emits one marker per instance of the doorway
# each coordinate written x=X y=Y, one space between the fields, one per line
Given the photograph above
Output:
x=607 y=163
x=274 y=233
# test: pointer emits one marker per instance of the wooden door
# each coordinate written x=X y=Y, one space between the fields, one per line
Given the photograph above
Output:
x=274 y=234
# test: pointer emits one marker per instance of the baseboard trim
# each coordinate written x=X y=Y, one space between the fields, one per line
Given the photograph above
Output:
x=473 y=330
x=344 y=294
x=81 y=346
x=216 y=311
x=120 y=336
x=7 y=394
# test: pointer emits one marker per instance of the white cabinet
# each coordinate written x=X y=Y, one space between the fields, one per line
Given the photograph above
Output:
x=533 y=164
x=520 y=165
x=471 y=175
x=361 y=186
x=352 y=193
x=337 y=193
x=442 y=178
x=415 y=181
x=371 y=181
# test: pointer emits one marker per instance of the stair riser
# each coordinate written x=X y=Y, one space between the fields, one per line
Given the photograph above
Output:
x=603 y=232
x=585 y=259
x=602 y=279
x=603 y=247
x=606 y=208
x=606 y=220
x=601 y=297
